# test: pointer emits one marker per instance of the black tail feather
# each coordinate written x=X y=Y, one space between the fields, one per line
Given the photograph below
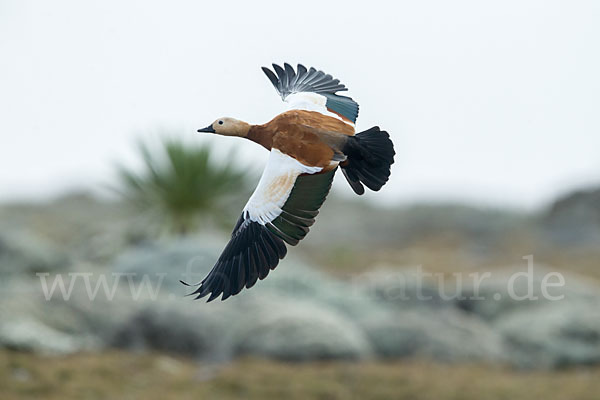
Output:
x=369 y=157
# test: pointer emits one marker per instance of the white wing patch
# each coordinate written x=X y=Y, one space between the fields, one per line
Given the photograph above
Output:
x=275 y=186
x=311 y=102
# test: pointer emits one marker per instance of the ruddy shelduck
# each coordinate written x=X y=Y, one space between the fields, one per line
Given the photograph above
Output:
x=307 y=144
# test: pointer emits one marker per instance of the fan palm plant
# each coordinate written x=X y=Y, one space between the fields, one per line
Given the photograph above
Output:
x=181 y=182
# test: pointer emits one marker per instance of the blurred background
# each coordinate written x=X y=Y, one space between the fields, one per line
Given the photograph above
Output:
x=108 y=197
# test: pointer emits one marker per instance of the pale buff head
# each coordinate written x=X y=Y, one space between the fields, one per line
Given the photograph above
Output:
x=228 y=127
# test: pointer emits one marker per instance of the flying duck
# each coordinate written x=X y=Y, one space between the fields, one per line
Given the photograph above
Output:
x=307 y=144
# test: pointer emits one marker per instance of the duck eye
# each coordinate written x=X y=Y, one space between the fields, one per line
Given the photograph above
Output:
x=220 y=122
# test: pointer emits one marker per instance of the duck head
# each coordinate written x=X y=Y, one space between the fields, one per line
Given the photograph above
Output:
x=227 y=127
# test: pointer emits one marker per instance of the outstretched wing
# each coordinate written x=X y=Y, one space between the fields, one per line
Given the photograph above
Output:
x=312 y=90
x=281 y=210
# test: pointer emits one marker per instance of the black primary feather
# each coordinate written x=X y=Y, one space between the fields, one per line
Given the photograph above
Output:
x=287 y=81
x=255 y=249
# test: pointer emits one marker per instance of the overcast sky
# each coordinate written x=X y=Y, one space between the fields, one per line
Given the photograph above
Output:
x=494 y=103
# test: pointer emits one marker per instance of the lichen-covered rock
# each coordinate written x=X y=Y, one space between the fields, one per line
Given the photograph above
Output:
x=553 y=335
x=444 y=335
x=405 y=288
x=24 y=254
x=574 y=219
x=299 y=331
x=492 y=298
x=30 y=335
x=170 y=261
x=174 y=327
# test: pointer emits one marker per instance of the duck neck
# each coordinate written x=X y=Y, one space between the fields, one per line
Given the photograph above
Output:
x=240 y=129
x=262 y=135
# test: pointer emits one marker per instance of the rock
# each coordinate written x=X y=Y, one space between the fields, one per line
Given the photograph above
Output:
x=443 y=335
x=299 y=331
x=82 y=316
x=31 y=335
x=174 y=327
x=553 y=335
x=188 y=259
x=22 y=253
x=403 y=288
x=86 y=321
x=491 y=298
x=575 y=218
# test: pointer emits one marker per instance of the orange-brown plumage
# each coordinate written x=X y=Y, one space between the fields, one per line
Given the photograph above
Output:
x=307 y=136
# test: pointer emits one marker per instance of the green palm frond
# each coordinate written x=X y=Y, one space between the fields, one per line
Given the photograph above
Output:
x=181 y=182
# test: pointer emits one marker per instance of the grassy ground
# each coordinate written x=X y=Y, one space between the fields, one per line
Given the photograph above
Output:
x=130 y=376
